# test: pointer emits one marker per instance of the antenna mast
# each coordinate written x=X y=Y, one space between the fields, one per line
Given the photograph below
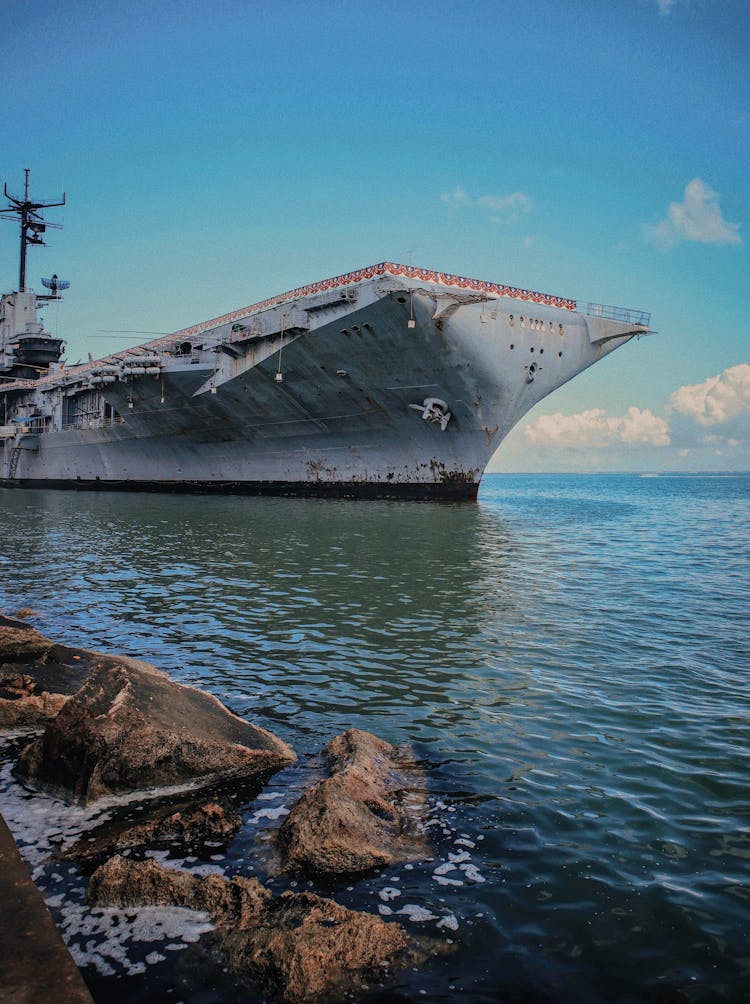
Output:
x=32 y=223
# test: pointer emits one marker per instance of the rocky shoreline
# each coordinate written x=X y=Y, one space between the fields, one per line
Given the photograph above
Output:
x=110 y=726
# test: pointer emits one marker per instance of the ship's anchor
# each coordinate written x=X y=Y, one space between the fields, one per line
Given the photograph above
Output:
x=434 y=410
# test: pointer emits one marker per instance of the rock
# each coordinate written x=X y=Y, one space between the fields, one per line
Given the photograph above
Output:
x=189 y=827
x=26 y=612
x=130 y=727
x=23 y=703
x=306 y=947
x=236 y=903
x=36 y=675
x=359 y=818
x=299 y=945
x=20 y=643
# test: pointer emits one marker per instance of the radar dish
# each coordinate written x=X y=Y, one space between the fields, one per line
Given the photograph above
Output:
x=55 y=284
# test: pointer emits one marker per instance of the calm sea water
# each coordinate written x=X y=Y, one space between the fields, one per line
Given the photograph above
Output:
x=570 y=657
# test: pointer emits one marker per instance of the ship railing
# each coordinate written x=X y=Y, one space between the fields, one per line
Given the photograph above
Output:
x=12 y=431
x=91 y=422
x=23 y=426
x=639 y=317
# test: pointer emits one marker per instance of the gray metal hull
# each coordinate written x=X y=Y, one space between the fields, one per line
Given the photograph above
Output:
x=324 y=395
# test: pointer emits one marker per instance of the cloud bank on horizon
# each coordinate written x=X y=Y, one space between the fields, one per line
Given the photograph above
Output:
x=704 y=424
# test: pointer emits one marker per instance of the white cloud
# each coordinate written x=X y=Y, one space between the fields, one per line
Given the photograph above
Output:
x=665 y=6
x=458 y=197
x=718 y=400
x=594 y=429
x=504 y=208
x=704 y=426
x=516 y=202
x=697 y=218
x=642 y=428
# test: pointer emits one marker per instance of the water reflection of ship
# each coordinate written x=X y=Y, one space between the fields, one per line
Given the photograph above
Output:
x=384 y=608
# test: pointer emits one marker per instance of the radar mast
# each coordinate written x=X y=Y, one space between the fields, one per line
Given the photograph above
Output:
x=33 y=225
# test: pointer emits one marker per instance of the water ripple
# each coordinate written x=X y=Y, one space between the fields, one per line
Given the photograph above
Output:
x=570 y=656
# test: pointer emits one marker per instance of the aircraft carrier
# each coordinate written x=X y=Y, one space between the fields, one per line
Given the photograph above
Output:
x=387 y=381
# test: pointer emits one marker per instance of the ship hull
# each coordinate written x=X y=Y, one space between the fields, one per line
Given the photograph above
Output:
x=397 y=387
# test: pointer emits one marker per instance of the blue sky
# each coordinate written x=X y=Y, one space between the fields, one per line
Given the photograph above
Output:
x=215 y=154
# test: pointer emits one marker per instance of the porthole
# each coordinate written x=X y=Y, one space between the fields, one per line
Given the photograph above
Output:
x=511 y=321
x=561 y=329
x=531 y=349
x=402 y=299
x=522 y=323
x=512 y=345
x=541 y=352
x=559 y=355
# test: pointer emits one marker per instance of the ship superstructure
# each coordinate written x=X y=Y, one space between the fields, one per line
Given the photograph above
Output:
x=387 y=381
